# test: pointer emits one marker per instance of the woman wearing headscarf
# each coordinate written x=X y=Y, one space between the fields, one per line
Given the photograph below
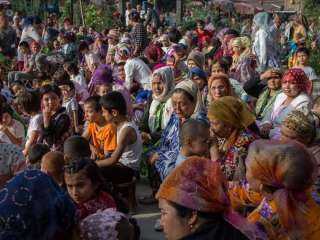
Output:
x=174 y=60
x=243 y=65
x=200 y=77
x=284 y=174
x=155 y=55
x=33 y=206
x=264 y=46
x=268 y=96
x=233 y=127
x=159 y=111
x=101 y=75
x=194 y=205
x=294 y=96
x=186 y=104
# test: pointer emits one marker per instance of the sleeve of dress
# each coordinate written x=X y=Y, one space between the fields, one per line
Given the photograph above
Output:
x=128 y=68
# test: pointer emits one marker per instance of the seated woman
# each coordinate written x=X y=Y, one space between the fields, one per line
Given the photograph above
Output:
x=185 y=105
x=194 y=205
x=56 y=122
x=233 y=127
x=284 y=174
x=294 y=96
x=34 y=207
x=199 y=76
x=268 y=96
x=158 y=113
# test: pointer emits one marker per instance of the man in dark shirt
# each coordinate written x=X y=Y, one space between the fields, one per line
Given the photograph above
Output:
x=138 y=33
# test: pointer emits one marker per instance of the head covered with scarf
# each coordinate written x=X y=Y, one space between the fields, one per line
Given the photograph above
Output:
x=298 y=76
x=199 y=184
x=286 y=172
x=154 y=52
x=262 y=20
x=102 y=75
x=196 y=71
x=232 y=111
x=198 y=58
x=32 y=206
x=167 y=78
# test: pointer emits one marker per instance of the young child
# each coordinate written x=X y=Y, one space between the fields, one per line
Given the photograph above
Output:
x=52 y=163
x=124 y=161
x=76 y=147
x=85 y=186
x=11 y=130
x=35 y=154
x=100 y=131
x=69 y=102
x=194 y=137
x=29 y=103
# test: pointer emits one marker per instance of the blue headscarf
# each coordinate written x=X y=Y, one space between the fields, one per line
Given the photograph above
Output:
x=32 y=206
x=198 y=72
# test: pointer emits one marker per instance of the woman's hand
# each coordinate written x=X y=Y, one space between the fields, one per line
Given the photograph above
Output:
x=146 y=137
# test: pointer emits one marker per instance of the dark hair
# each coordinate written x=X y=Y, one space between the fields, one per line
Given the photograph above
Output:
x=174 y=35
x=225 y=63
x=191 y=129
x=36 y=152
x=94 y=101
x=50 y=89
x=232 y=32
x=72 y=67
x=76 y=147
x=114 y=101
x=24 y=44
x=188 y=95
x=303 y=50
x=201 y=22
x=90 y=169
x=17 y=82
x=65 y=82
x=29 y=101
x=83 y=46
x=134 y=16
x=60 y=75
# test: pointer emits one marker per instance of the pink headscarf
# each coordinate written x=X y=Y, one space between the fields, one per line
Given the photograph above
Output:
x=298 y=76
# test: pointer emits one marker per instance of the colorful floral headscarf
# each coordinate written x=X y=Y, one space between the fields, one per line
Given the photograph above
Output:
x=298 y=76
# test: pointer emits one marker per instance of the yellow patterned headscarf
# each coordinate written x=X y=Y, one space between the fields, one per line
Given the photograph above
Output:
x=231 y=110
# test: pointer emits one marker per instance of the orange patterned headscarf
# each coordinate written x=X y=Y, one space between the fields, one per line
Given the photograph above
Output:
x=289 y=170
x=198 y=184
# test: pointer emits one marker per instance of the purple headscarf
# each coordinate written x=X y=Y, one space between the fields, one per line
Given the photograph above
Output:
x=102 y=75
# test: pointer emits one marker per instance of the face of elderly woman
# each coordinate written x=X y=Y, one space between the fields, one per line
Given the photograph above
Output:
x=218 y=89
x=219 y=128
x=290 y=88
x=183 y=106
x=274 y=83
x=157 y=85
x=174 y=226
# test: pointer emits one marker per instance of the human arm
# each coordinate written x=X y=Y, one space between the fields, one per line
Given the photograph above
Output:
x=17 y=140
x=129 y=71
x=31 y=141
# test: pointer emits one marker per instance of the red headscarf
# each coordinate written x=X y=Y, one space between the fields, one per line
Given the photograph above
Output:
x=298 y=76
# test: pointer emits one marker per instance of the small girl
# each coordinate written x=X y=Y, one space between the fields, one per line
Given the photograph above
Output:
x=85 y=186
x=29 y=103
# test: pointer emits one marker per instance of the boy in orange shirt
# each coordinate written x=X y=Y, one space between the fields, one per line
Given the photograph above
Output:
x=101 y=134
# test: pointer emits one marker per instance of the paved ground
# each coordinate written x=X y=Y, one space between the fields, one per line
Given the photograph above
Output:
x=146 y=215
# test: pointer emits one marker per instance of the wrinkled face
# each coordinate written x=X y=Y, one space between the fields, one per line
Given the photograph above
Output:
x=174 y=227
x=182 y=105
x=218 y=89
x=51 y=101
x=219 y=128
x=80 y=187
x=157 y=85
x=90 y=113
x=104 y=89
x=302 y=58
x=6 y=119
x=274 y=83
x=290 y=88
x=191 y=64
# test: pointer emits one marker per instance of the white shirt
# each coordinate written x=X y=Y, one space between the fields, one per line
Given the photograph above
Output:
x=80 y=79
x=16 y=129
x=309 y=71
x=29 y=33
x=137 y=70
x=35 y=124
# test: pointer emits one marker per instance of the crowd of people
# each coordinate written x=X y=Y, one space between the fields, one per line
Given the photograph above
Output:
x=223 y=120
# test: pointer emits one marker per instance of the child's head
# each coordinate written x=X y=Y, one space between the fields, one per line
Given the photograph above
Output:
x=302 y=55
x=17 y=87
x=113 y=106
x=92 y=109
x=194 y=137
x=24 y=47
x=36 y=153
x=50 y=97
x=76 y=147
x=6 y=116
x=67 y=88
x=83 y=47
x=83 y=179
x=316 y=105
x=52 y=163
x=29 y=102
x=121 y=71
x=103 y=89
